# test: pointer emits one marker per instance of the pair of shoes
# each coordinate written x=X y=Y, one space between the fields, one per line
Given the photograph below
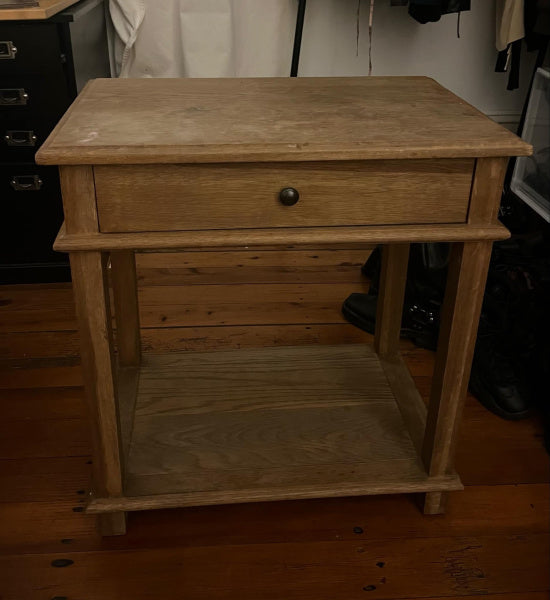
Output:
x=420 y=323
x=423 y=293
x=500 y=376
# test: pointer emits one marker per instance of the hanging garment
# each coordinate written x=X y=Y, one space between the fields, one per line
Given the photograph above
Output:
x=429 y=11
x=531 y=23
x=203 y=38
x=537 y=24
x=509 y=22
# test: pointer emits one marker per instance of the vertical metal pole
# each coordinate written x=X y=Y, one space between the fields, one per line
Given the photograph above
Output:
x=298 y=38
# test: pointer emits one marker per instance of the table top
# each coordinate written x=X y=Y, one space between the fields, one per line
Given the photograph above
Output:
x=119 y=121
x=47 y=9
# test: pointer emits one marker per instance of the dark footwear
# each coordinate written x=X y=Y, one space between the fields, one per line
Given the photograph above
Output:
x=497 y=380
x=420 y=324
x=360 y=310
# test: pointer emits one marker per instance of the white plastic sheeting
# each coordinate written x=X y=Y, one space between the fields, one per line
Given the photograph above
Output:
x=202 y=38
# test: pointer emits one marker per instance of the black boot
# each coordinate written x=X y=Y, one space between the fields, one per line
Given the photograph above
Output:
x=499 y=377
x=496 y=379
x=423 y=294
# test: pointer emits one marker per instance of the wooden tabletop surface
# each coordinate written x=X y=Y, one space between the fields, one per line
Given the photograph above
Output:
x=272 y=119
x=47 y=9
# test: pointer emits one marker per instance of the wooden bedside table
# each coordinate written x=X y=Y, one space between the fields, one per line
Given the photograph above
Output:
x=153 y=165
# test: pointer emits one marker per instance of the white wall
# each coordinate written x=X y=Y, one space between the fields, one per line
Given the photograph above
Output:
x=401 y=46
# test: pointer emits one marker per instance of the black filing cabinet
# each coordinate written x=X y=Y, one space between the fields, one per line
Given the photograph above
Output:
x=43 y=65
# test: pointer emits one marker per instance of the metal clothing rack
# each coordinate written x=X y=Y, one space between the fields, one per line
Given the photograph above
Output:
x=298 y=38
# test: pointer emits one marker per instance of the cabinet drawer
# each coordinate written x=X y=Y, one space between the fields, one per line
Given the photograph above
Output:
x=32 y=46
x=232 y=196
x=31 y=213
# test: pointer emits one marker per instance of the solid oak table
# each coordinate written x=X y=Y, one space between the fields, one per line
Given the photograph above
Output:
x=156 y=165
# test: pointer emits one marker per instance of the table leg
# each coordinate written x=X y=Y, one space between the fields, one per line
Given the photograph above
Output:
x=123 y=278
x=468 y=266
x=389 y=309
x=91 y=294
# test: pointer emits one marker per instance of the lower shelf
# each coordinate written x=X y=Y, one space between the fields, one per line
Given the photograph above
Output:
x=272 y=424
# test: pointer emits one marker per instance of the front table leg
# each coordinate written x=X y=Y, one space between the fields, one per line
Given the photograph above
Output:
x=468 y=266
x=91 y=294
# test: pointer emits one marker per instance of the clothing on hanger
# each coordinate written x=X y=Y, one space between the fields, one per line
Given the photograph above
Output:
x=516 y=20
x=430 y=11
x=509 y=22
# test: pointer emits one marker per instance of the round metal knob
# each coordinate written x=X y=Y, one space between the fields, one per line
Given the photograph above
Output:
x=289 y=196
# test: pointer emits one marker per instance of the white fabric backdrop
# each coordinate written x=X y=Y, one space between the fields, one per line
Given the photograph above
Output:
x=203 y=38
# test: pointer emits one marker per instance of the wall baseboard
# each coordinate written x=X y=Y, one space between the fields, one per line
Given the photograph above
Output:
x=508 y=120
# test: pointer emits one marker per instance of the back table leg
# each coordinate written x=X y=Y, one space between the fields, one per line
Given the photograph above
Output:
x=468 y=266
x=389 y=309
x=124 y=281
x=91 y=294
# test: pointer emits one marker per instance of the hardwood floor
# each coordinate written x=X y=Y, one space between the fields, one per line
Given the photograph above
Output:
x=493 y=543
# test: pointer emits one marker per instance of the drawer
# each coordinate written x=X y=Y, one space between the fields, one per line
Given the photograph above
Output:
x=29 y=46
x=133 y=198
x=22 y=135
x=31 y=95
x=31 y=213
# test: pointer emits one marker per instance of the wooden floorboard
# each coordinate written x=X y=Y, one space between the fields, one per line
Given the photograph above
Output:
x=492 y=543
x=423 y=568
x=478 y=510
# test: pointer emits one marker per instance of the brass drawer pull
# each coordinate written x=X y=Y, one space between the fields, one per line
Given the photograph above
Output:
x=13 y=96
x=7 y=50
x=20 y=137
x=26 y=183
x=289 y=196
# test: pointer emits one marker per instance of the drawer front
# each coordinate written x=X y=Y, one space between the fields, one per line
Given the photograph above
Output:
x=22 y=135
x=29 y=47
x=31 y=213
x=133 y=198
x=33 y=96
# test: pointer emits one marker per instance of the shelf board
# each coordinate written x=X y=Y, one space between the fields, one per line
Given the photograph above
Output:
x=272 y=424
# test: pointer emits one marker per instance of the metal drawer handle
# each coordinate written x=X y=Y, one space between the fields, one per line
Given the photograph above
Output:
x=13 y=96
x=289 y=196
x=7 y=50
x=20 y=137
x=26 y=183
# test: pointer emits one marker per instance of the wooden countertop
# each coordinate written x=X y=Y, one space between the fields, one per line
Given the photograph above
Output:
x=117 y=121
x=47 y=9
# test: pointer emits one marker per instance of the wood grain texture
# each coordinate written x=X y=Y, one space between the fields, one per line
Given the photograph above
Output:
x=487 y=190
x=79 y=204
x=139 y=198
x=264 y=266
x=361 y=480
x=124 y=284
x=45 y=10
x=51 y=345
x=460 y=312
x=43 y=479
x=410 y=402
x=315 y=237
x=174 y=306
x=475 y=566
x=303 y=422
x=92 y=307
x=37 y=494
x=389 y=307
x=293 y=119
x=479 y=510
x=45 y=438
x=284 y=378
x=128 y=379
